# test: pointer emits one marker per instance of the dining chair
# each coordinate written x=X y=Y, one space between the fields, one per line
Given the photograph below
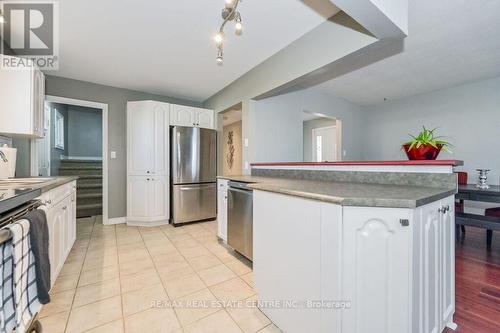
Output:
x=459 y=204
x=493 y=212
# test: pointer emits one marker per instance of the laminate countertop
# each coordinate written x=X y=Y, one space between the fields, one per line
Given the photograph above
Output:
x=349 y=194
x=13 y=195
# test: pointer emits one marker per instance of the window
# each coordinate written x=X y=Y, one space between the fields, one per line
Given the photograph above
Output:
x=59 y=131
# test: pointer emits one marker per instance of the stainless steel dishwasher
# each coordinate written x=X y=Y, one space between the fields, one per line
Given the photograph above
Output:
x=240 y=218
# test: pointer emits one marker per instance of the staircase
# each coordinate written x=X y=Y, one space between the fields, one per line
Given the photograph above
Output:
x=89 y=185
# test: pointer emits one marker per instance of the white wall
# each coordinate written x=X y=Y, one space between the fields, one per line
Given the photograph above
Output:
x=278 y=125
x=468 y=114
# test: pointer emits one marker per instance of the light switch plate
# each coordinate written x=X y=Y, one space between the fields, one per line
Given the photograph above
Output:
x=113 y=154
x=246 y=142
x=247 y=165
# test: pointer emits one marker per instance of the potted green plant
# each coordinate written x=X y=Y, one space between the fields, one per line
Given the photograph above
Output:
x=425 y=146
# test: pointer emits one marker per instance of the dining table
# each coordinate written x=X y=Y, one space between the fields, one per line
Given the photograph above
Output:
x=471 y=192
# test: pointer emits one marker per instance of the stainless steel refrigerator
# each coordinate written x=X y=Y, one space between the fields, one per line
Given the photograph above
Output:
x=193 y=174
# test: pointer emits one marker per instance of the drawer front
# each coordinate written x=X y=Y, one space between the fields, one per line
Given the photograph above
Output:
x=56 y=195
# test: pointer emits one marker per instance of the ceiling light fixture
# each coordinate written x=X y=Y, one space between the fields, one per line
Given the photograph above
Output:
x=229 y=13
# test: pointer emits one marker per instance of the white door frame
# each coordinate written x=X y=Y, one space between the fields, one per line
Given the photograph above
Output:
x=104 y=108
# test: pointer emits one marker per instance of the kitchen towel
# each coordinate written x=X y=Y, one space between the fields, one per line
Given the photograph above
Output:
x=7 y=307
x=25 y=293
x=39 y=238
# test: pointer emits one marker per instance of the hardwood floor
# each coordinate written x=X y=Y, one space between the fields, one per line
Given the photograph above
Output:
x=477 y=283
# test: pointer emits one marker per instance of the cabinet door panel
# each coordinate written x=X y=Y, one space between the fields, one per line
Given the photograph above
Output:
x=38 y=99
x=182 y=115
x=141 y=138
x=138 y=198
x=287 y=257
x=55 y=220
x=429 y=285
x=376 y=268
x=159 y=198
x=204 y=118
x=161 y=140
x=222 y=214
x=65 y=228
x=447 y=272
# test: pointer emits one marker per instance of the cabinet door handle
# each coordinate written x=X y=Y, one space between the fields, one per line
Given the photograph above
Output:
x=65 y=207
x=404 y=222
x=147 y=171
x=444 y=209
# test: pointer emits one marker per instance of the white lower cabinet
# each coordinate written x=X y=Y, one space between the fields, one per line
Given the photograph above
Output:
x=222 y=209
x=60 y=208
x=389 y=269
x=148 y=202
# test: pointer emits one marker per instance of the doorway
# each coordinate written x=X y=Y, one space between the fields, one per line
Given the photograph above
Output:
x=231 y=143
x=324 y=140
x=75 y=144
x=322 y=137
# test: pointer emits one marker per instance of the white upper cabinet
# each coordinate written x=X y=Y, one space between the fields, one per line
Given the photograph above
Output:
x=148 y=138
x=204 y=118
x=181 y=115
x=22 y=96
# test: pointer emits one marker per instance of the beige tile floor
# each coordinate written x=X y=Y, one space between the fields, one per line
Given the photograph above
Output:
x=120 y=279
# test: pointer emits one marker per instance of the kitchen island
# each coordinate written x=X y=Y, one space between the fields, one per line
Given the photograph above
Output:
x=348 y=247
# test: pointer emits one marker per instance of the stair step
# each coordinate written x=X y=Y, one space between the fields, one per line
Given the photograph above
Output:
x=88 y=210
x=89 y=206
x=89 y=186
x=88 y=195
x=80 y=162
x=82 y=167
x=90 y=177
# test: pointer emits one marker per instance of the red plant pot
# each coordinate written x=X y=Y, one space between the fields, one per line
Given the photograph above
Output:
x=424 y=152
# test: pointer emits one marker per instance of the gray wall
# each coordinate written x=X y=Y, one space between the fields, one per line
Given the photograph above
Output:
x=278 y=129
x=308 y=127
x=56 y=153
x=116 y=99
x=468 y=114
x=84 y=132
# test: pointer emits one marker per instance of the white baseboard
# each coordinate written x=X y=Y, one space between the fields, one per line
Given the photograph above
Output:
x=147 y=224
x=116 y=220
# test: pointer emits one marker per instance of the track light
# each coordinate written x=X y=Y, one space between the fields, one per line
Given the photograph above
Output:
x=220 y=57
x=229 y=13
x=238 y=26
x=219 y=38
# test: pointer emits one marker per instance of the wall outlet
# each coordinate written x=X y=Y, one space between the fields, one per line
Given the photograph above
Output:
x=246 y=142
x=344 y=153
x=247 y=165
x=113 y=154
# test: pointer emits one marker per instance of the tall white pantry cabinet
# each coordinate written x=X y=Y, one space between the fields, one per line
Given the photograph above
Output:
x=148 y=156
